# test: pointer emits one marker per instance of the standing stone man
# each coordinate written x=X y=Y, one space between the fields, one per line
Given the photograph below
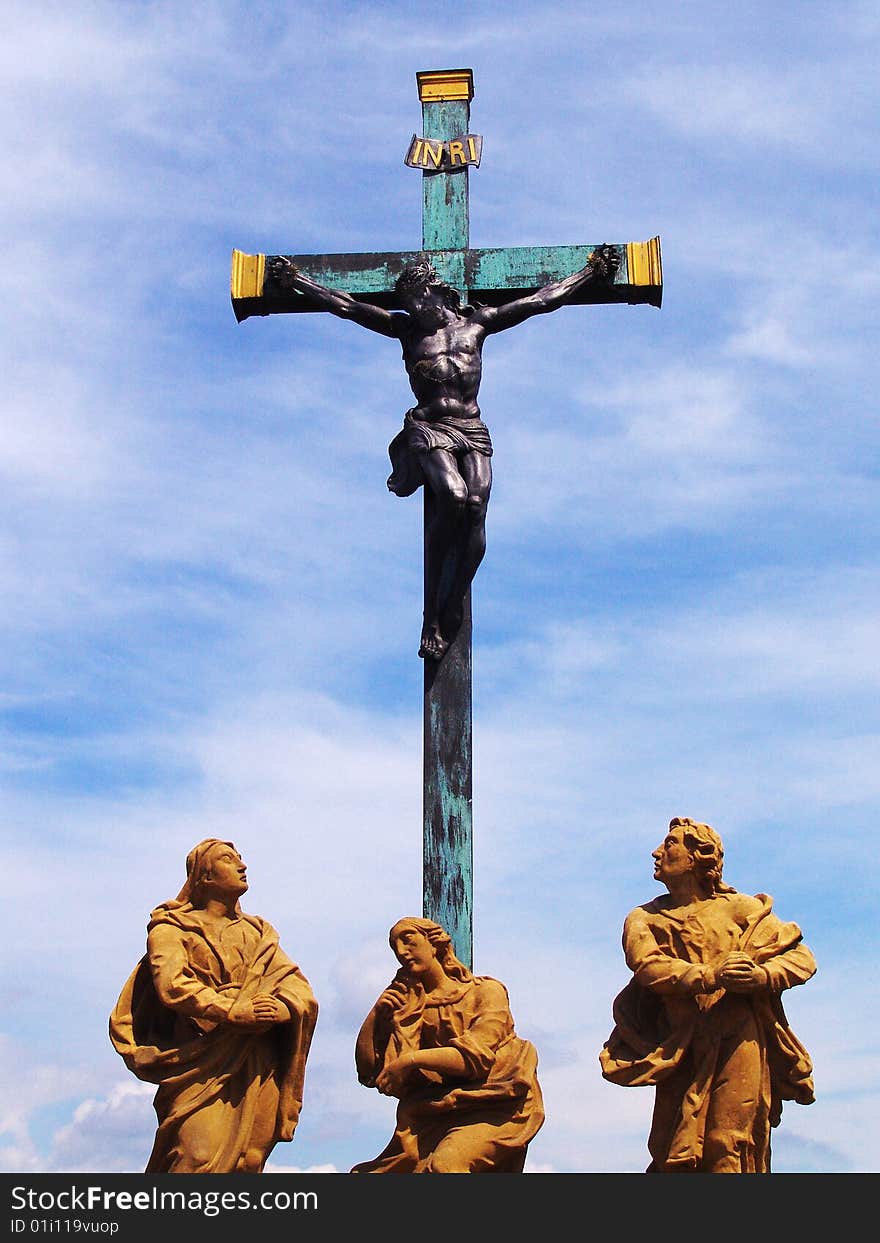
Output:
x=444 y=442
x=702 y=1019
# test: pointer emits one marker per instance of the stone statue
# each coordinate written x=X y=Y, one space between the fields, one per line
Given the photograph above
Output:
x=701 y=1020
x=443 y=443
x=442 y=1041
x=219 y=1017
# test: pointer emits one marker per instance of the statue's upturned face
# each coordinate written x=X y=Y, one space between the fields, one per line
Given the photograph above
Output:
x=228 y=874
x=672 y=858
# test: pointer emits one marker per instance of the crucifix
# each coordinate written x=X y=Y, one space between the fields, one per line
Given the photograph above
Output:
x=440 y=303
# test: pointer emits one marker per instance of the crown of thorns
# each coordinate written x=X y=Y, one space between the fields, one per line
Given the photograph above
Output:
x=417 y=274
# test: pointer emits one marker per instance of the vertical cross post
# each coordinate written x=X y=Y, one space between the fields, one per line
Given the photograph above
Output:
x=447 y=858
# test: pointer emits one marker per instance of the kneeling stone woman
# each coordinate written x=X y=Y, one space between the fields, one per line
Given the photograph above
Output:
x=442 y=1041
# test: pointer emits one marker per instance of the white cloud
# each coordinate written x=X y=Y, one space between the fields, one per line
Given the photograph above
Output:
x=676 y=447
x=769 y=335
x=112 y=1133
x=26 y=1095
x=802 y=107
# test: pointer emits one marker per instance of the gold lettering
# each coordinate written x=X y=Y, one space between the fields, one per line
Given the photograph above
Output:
x=472 y=148
x=415 y=151
x=437 y=156
x=456 y=153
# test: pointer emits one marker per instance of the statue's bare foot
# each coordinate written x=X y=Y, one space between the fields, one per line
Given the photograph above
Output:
x=433 y=645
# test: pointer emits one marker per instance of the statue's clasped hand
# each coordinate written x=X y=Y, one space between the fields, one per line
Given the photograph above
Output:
x=739 y=974
x=260 y=1012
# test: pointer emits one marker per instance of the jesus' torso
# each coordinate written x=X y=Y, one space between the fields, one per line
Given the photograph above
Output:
x=444 y=366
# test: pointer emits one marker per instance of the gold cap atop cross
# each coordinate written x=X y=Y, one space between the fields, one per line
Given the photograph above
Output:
x=438 y=85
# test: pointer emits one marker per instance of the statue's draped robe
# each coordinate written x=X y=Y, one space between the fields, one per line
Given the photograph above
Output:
x=485 y=1119
x=718 y=1060
x=226 y=1093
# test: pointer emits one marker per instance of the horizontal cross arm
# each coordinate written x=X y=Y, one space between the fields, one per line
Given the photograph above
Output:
x=487 y=277
x=497 y=276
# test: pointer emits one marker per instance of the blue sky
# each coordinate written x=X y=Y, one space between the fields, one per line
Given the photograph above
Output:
x=212 y=603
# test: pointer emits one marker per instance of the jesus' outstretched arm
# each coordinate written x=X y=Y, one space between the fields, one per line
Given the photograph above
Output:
x=336 y=301
x=601 y=267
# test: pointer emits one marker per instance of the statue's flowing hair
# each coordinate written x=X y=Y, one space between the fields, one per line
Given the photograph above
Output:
x=439 y=938
x=707 y=849
x=420 y=274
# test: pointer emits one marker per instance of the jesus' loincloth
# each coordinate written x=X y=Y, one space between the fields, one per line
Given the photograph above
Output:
x=420 y=436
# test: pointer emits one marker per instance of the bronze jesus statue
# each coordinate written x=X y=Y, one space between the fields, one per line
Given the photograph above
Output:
x=444 y=442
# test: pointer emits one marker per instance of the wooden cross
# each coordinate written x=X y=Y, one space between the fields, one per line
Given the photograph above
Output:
x=487 y=277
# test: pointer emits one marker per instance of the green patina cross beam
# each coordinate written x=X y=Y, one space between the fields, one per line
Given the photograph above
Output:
x=483 y=278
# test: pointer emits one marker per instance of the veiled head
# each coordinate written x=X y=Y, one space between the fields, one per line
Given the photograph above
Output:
x=212 y=861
